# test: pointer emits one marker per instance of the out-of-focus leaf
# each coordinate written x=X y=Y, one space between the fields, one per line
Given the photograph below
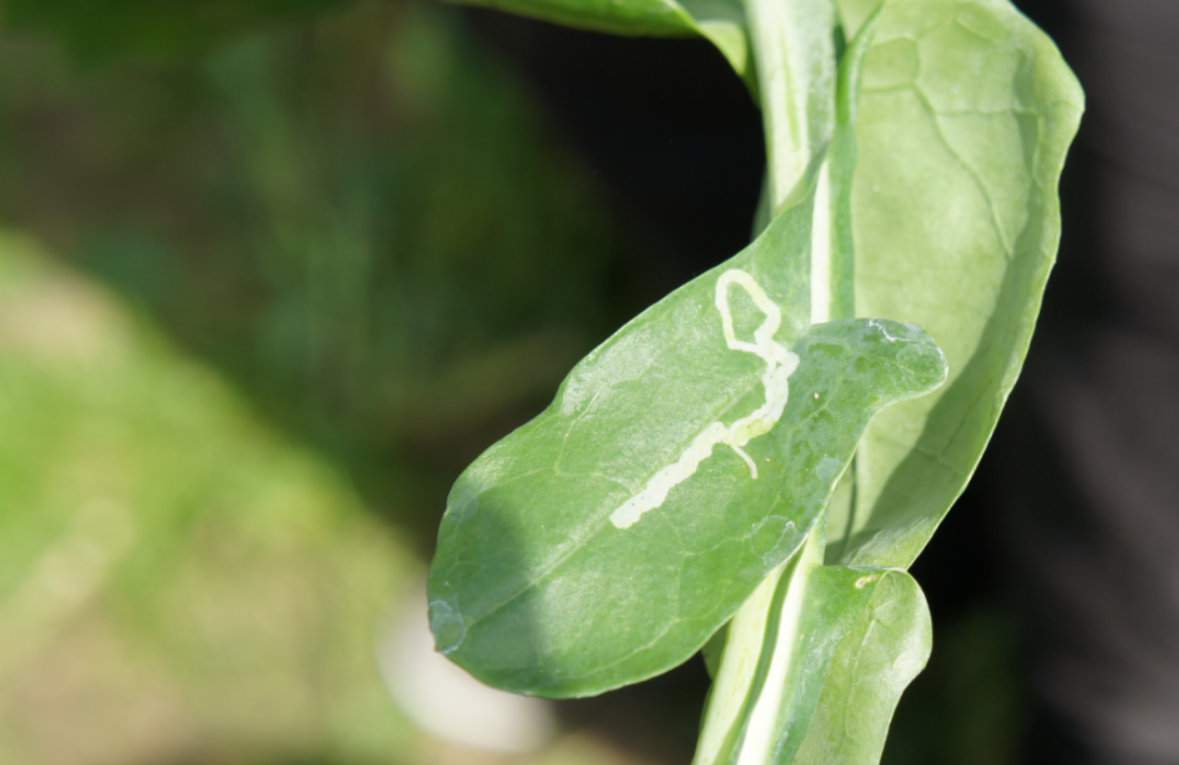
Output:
x=120 y=27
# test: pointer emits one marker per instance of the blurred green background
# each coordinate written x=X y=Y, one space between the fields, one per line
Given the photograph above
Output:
x=271 y=274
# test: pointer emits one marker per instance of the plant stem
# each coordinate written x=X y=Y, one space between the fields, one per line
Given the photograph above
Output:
x=794 y=54
x=793 y=47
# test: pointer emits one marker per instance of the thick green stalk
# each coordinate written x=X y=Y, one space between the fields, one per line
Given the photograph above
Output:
x=793 y=45
x=794 y=52
x=740 y=724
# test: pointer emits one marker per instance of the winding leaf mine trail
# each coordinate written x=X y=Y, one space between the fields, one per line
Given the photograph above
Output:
x=780 y=364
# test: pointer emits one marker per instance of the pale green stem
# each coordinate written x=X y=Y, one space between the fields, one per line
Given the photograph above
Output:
x=794 y=51
x=795 y=60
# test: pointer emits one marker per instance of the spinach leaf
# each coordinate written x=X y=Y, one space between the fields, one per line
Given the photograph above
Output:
x=965 y=113
x=681 y=462
x=681 y=477
x=868 y=634
x=853 y=640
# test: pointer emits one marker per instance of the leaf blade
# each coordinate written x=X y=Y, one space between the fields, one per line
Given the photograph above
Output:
x=858 y=640
x=534 y=588
x=966 y=113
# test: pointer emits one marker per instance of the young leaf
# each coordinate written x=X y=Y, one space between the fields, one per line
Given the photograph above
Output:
x=965 y=113
x=681 y=462
x=854 y=639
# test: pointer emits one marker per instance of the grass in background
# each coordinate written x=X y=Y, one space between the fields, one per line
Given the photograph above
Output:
x=334 y=259
x=177 y=579
x=363 y=221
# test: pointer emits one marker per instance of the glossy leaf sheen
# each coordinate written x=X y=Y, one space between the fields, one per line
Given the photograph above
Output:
x=965 y=113
x=533 y=587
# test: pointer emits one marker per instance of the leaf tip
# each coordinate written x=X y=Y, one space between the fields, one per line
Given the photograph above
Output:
x=916 y=352
x=448 y=626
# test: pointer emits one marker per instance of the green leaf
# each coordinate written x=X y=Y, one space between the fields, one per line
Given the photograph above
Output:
x=854 y=640
x=964 y=116
x=786 y=690
x=871 y=635
x=606 y=540
x=720 y=21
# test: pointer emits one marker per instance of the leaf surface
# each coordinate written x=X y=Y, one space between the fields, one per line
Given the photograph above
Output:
x=855 y=640
x=867 y=636
x=965 y=113
x=607 y=539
